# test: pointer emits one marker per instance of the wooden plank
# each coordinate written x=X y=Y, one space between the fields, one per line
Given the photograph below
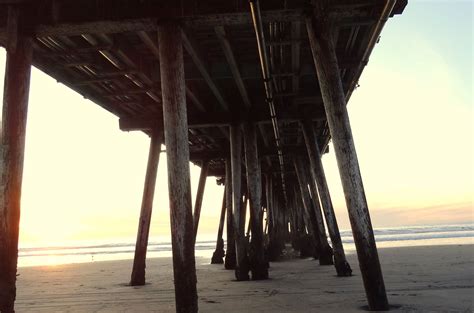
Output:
x=229 y=54
x=153 y=46
x=124 y=25
x=259 y=266
x=330 y=83
x=197 y=57
x=199 y=196
x=295 y=54
x=15 y=107
x=317 y=172
x=139 y=261
x=177 y=153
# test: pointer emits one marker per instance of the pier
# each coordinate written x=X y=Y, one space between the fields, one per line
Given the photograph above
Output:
x=251 y=91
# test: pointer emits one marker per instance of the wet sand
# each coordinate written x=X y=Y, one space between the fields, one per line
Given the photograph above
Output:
x=418 y=279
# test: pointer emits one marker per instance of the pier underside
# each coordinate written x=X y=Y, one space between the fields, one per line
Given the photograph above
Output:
x=252 y=92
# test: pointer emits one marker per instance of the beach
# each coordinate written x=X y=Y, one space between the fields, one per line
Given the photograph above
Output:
x=418 y=279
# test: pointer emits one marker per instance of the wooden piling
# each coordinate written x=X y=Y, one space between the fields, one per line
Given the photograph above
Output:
x=15 y=107
x=177 y=152
x=242 y=265
x=219 y=253
x=230 y=256
x=139 y=261
x=325 y=59
x=258 y=264
x=306 y=242
x=326 y=256
x=317 y=172
x=199 y=196
x=308 y=207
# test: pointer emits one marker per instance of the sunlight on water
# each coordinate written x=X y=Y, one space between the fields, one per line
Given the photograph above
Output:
x=123 y=249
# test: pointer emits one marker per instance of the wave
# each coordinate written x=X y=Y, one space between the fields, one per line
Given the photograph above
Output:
x=126 y=248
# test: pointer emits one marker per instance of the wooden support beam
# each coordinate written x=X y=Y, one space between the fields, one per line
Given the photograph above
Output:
x=259 y=266
x=103 y=24
x=177 y=153
x=197 y=57
x=230 y=256
x=220 y=118
x=242 y=265
x=14 y=117
x=219 y=253
x=268 y=198
x=13 y=13
x=153 y=46
x=295 y=55
x=326 y=254
x=317 y=172
x=311 y=221
x=325 y=60
x=229 y=54
x=139 y=261
x=199 y=196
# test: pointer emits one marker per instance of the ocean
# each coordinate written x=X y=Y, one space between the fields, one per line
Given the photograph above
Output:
x=120 y=249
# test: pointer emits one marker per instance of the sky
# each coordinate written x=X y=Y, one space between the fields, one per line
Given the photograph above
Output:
x=412 y=120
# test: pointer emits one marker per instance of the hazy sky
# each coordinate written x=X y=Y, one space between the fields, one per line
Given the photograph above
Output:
x=412 y=119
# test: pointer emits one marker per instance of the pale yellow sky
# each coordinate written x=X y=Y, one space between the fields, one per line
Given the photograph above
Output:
x=411 y=118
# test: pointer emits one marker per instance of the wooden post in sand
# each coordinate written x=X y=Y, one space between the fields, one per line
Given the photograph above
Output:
x=230 y=261
x=177 y=153
x=199 y=196
x=258 y=264
x=317 y=173
x=326 y=253
x=242 y=265
x=15 y=107
x=325 y=60
x=139 y=261
x=219 y=253
x=308 y=207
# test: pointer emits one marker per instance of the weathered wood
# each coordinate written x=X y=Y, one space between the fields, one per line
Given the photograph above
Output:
x=242 y=266
x=139 y=261
x=218 y=118
x=124 y=25
x=14 y=117
x=177 y=152
x=305 y=241
x=219 y=253
x=258 y=264
x=325 y=257
x=199 y=196
x=229 y=54
x=318 y=175
x=268 y=199
x=87 y=21
x=198 y=59
x=330 y=83
x=12 y=28
x=230 y=257
x=311 y=223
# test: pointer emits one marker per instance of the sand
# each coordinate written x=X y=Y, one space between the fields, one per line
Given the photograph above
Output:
x=418 y=279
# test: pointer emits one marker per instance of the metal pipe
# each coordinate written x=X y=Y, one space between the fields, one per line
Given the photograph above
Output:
x=267 y=80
